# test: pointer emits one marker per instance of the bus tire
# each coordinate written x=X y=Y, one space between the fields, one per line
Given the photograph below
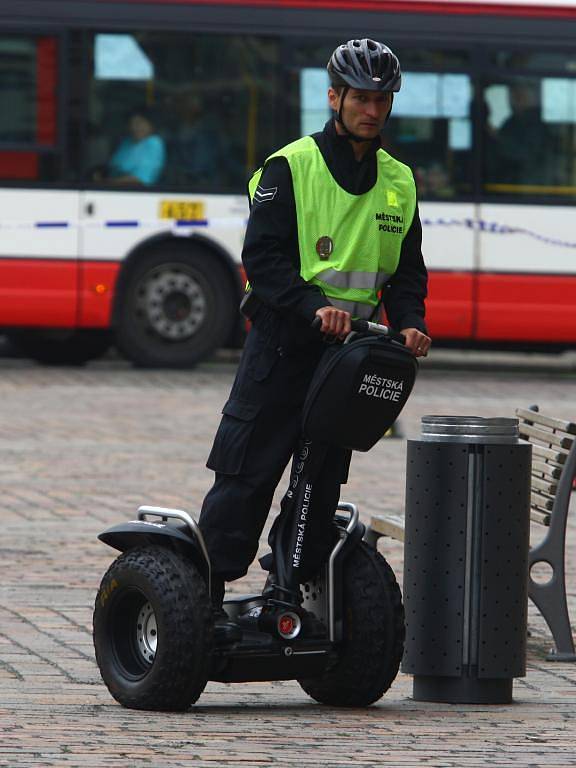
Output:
x=61 y=347
x=177 y=306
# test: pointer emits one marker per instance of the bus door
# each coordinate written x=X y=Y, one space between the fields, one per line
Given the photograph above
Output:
x=527 y=278
x=38 y=221
x=114 y=223
x=449 y=248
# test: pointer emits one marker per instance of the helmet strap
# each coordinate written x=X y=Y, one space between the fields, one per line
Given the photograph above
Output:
x=338 y=115
x=390 y=110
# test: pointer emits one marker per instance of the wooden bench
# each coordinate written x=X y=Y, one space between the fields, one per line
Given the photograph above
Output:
x=553 y=472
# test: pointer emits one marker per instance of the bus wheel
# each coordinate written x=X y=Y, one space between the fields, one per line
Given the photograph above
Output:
x=61 y=347
x=177 y=307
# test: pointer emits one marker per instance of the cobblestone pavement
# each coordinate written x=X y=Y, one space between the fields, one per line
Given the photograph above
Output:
x=80 y=449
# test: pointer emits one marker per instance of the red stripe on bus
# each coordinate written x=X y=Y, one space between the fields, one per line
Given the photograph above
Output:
x=97 y=283
x=68 y=293
x=56 y=293
x=502 y=307
x=449 y=309
x=524 y=307
x=418 y=6
x=46 y=76
x=38 y=292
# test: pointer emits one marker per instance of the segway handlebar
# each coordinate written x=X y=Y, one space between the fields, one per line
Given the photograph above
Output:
x=365 y=326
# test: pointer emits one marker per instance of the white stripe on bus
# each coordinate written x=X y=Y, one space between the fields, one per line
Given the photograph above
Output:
x=490 y=227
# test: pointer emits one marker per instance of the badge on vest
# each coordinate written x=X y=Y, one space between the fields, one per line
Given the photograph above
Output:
x=324 y=247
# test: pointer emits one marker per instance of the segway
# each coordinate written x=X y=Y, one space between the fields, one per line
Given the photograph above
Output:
x=339 y=634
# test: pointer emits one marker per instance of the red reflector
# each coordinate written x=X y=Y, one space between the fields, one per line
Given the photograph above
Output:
x=286 y=625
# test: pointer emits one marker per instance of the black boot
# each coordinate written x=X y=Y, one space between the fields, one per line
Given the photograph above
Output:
x=225 y=630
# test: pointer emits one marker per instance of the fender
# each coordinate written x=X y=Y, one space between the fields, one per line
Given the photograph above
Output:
x=141 y=533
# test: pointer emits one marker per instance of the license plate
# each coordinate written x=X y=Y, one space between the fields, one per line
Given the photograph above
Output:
x=182 y=210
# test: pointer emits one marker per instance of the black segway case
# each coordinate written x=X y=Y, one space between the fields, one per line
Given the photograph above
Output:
x=358 y=392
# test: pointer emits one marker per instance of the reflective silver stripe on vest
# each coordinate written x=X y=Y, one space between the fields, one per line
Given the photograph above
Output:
x=356 y=308
x=362 y=280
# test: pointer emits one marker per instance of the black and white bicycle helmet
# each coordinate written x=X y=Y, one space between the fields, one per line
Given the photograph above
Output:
x=365 y=65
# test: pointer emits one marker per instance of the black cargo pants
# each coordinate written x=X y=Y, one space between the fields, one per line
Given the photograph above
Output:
x=258 y=433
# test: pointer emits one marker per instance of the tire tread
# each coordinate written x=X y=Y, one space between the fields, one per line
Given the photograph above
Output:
x=374 y=634
x=179 y=672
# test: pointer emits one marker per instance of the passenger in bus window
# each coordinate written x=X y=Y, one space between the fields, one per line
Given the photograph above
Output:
x=523 y=143
x=140 y=157
x=197 y=144
x=434 y=181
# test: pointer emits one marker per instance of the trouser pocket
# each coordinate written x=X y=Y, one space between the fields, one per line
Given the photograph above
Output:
x=262 y=359
x=233 y=437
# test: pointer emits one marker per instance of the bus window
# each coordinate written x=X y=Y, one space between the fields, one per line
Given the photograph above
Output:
x=540 y=60
x=431 y=130
x=430 y=127
x=209 y=102
x=28 y=116
x=530 y=137
x=307 y=88
x=432 y=59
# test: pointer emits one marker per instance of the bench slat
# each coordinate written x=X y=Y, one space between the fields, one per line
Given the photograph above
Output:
x=547 y=421
x=541 y=501
x=544 y=485
x=388 y=525
x=540 y=517
x=548 y=438
x=548 y=470
x=558 y=457
x=393 y=525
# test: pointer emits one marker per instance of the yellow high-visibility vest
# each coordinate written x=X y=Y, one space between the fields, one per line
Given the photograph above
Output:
x=349 y=244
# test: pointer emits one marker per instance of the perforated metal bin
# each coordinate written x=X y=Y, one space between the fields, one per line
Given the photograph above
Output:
x=466 y=559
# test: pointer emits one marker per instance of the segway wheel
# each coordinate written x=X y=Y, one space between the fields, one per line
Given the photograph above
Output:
x=153 y=630
x=373 y=642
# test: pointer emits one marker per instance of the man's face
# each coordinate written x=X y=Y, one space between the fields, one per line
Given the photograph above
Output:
x=364 y=112
x=140 y=127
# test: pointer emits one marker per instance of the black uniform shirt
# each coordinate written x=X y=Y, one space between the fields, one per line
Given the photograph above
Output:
x=271 y=255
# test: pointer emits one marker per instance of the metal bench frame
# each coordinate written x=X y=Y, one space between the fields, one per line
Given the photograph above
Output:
x=550 y=597
x=553 y=473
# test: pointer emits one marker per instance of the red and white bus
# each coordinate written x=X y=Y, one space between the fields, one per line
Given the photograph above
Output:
x=89 y=252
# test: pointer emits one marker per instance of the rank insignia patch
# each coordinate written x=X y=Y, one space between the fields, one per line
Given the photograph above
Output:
x=265 y=195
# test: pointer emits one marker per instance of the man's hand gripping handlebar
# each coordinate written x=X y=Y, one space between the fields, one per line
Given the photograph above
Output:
x=339 y=323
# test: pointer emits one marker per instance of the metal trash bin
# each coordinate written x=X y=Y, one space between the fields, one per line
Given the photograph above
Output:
x=466 y=559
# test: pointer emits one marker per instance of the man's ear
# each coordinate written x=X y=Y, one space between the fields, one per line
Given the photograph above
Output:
x=333 y=99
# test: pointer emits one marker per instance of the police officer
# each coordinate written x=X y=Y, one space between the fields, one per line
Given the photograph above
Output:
x=333 y=230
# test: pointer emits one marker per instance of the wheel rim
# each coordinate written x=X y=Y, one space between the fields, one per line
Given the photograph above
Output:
x=133 y=633
x=147 y=633
x=171 y=302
